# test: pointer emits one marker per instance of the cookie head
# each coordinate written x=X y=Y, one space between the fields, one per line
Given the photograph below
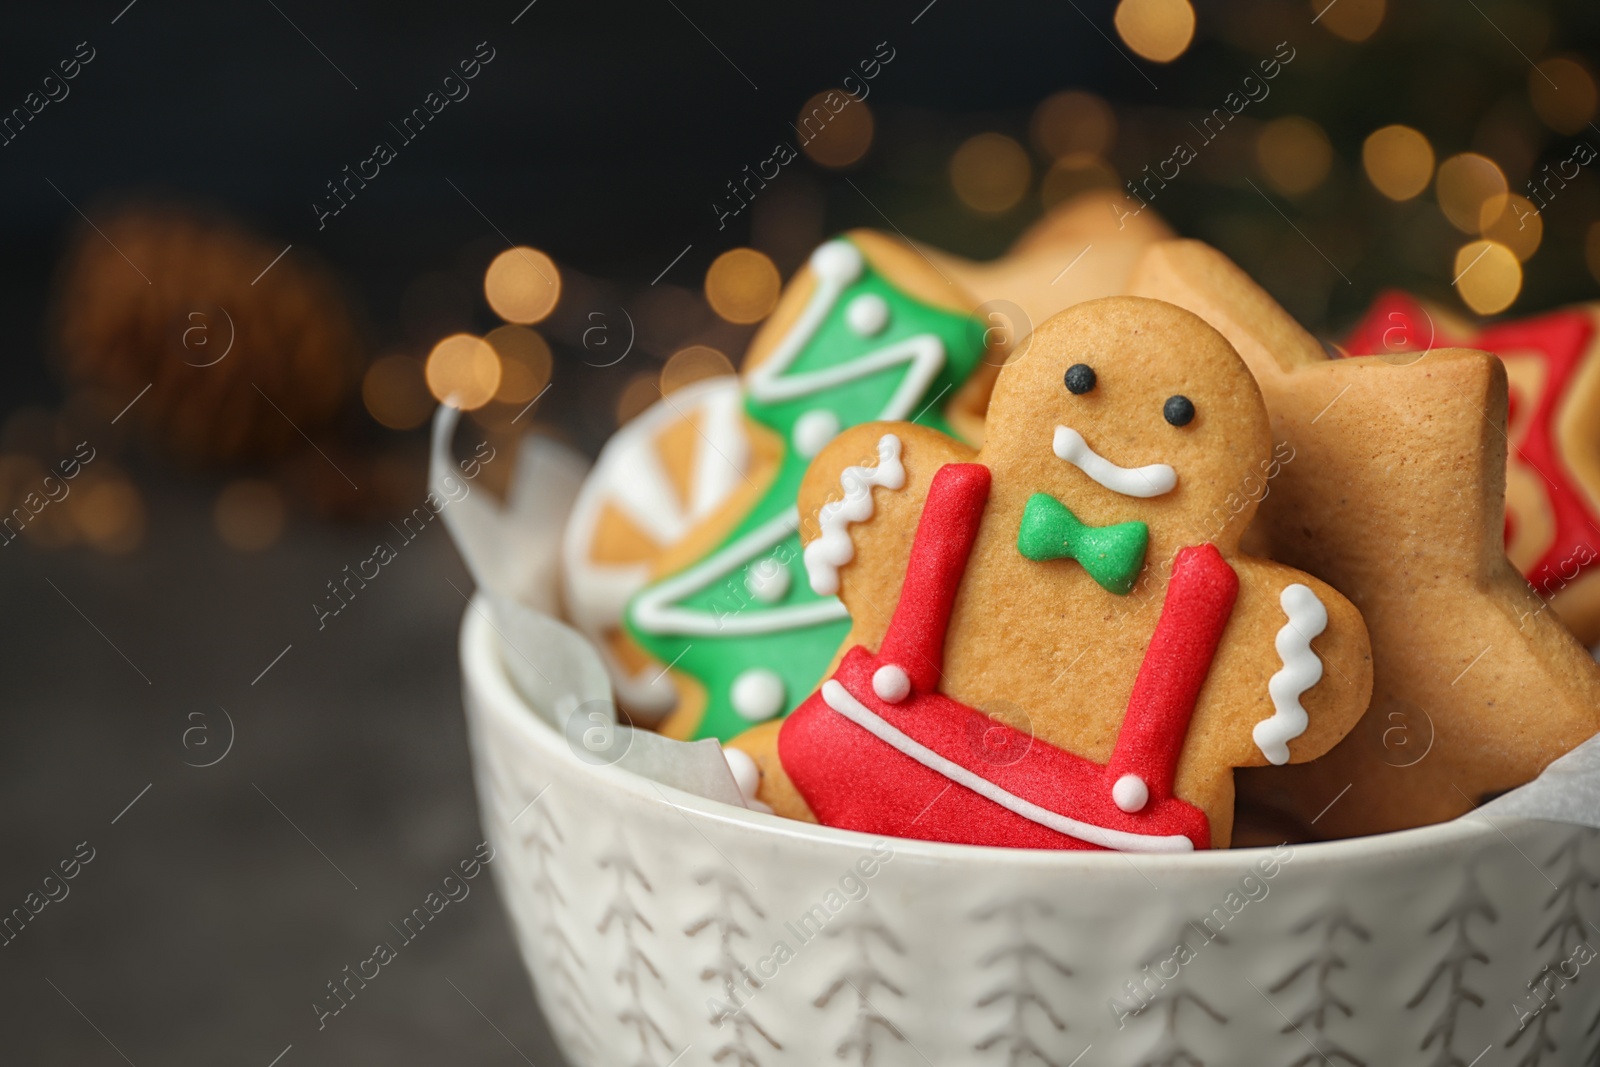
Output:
x=1129 y=409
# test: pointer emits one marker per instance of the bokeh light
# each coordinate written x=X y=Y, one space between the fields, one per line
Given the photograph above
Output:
x=835 y=128
x=1071 y=122
x=639 y=393
x=742 y=285
x=109 y=513
x=1517 y=225
x=1488 y=276
x=1294 y=154
x=1354 y=20
x=690 y=365
x=1467 y=185
x=1158 y=30
x=249 y=515
x=1563 y=93
x=1074 y=174
x=464 y=371
x=395 y=392
x=990 y=172
x=525 y=363
x=1398 y=161
x=522 y=285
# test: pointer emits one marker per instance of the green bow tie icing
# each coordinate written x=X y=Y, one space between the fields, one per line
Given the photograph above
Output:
x=743 y=621
x=1112 y=555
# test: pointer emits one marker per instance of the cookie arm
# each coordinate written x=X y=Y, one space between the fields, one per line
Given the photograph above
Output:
x=876 y=545
x=1314 y=678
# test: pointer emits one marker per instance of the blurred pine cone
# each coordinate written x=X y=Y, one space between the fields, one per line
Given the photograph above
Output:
x=176 y=299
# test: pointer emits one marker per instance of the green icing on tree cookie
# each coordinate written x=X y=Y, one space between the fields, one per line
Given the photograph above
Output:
x=744 y=621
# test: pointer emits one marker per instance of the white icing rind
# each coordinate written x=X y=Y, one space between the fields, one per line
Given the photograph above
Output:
x=834 y=548
x=1153 y=480
x=839 y=699
x=1302 y=669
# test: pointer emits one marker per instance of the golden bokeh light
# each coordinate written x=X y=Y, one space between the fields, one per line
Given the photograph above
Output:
x=1472 y=191
x=1158 y=30
x=249 y=515
x=742 y=285
x=1563 y=93
x=1294 y=154
x=1516 y=224
x=1488 y=276
x=1398 y=161
x=522 y=285
x=1071 y=122
x=990 y=172
x=525 y=363
x=640 y=392
x=395 y=392
x=463 y=371
x=1354 y=20
x=1074 y=174
x=690 y=365
x=835 y=128
x=109 y=513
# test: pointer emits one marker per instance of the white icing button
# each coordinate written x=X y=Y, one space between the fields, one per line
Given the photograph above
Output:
x=746 y=775
x=1130 y=793
x=767 y=579
x=867 y=314
x=839 y=260
x=813 y=430
x=891 y=683
x=757 y=694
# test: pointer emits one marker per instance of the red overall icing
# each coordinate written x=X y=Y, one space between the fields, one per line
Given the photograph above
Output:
x=852 y=779
x=1396 y=322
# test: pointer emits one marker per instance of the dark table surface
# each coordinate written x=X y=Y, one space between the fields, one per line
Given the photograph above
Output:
x=218 y=906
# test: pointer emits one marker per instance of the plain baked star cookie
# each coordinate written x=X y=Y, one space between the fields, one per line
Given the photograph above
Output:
x=1054 y=642
x=1395 y=496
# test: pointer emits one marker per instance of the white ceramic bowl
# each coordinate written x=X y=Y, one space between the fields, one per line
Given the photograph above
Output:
x=650 y=920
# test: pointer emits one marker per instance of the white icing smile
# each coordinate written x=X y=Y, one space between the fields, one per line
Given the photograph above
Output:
x=1153 y=480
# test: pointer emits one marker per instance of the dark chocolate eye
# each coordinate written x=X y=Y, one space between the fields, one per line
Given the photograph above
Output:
x=1178 y=410
x=1079 y=378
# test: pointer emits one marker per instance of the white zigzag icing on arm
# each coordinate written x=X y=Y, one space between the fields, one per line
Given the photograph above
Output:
x=834 y=548
x=1301 y=670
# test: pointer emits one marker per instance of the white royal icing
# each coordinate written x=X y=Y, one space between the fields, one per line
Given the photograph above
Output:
x=837 y=697
x=867 y=314
x=891 y=683
x=1301 y=670
x=1130 y=793
x=834 y=548
x=1153 y=480
x=813 y=430
x=747 y=776
x=757 y=694
x=767 y=579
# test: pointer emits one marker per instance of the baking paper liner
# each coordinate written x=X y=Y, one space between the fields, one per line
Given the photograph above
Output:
x=513 y=549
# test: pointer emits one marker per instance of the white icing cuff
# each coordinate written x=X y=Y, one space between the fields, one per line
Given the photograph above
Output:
x=1301 y=670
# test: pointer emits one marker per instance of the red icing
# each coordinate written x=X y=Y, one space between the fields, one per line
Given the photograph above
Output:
x=853 y=779
x=1198 y=602
x=1561 y=339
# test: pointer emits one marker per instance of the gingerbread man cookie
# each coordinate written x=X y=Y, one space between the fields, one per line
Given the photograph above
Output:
x=1052 y=643
x=1394 y=495
x=1553 y=459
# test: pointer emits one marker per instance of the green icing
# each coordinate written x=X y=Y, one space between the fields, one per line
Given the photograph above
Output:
x=799 y=654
